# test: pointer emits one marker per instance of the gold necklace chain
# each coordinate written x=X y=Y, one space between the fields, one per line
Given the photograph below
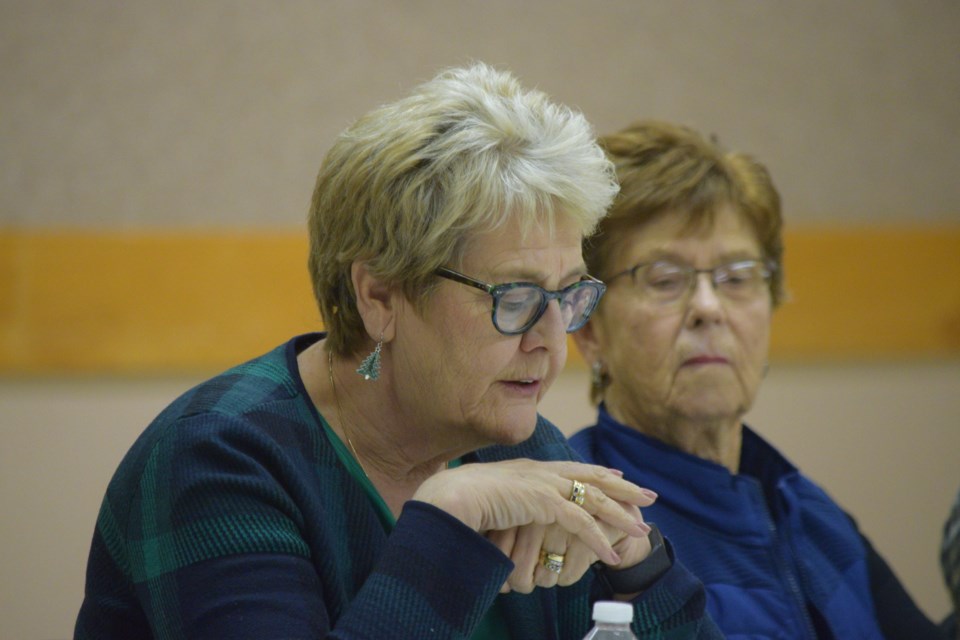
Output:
x=343 y=424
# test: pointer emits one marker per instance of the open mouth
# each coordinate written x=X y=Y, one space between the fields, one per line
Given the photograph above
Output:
x=523 y=386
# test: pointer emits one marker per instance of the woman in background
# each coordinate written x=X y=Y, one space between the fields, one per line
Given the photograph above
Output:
x=390 y=478
x=950 y=563
x=691 y=255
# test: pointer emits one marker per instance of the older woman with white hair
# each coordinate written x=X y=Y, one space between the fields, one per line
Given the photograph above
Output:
x=391 y=478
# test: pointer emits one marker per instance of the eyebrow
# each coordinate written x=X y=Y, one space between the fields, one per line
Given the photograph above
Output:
x=530 y=276
x=725 y=258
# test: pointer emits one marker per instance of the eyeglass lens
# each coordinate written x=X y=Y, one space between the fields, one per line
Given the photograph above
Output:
x=668 y=282
x=520 y=307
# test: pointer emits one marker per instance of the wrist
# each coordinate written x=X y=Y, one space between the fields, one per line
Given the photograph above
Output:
x=642 y=575
x=448 y=497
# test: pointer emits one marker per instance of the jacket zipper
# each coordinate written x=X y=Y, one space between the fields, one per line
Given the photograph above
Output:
x=783 y=566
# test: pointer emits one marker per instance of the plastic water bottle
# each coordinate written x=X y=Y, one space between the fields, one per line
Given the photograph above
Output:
x=611 y=621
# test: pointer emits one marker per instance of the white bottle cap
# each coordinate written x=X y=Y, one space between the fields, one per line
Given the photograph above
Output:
x=613 y=612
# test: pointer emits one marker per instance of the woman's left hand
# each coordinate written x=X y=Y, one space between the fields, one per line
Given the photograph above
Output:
x=525 y=546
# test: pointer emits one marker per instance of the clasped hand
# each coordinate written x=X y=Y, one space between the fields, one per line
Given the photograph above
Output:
x=525 y=508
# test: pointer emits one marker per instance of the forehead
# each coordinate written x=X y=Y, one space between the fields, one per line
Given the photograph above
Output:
x=538 y=249
x=673 y=232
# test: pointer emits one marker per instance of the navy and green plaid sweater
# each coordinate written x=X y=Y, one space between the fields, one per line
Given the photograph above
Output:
x=232 y=517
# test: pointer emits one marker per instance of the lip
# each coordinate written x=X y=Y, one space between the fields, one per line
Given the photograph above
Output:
x=700 y=360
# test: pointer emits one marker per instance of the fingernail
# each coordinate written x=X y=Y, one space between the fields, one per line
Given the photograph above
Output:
x=614 y=559
x=653 y=495
x=615 y=472
x=644 y=527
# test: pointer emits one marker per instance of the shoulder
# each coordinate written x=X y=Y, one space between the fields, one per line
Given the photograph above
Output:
x=242 y=389
x=260 y=389
x=247 y=420
x=236 y=400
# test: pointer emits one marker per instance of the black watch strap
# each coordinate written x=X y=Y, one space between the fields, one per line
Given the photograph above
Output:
x=642 y=575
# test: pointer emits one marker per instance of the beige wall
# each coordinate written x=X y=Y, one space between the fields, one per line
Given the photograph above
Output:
x=137 y=113
x=120 y=115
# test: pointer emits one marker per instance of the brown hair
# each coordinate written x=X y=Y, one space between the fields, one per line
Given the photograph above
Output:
x=669 y=167
x=664 y=167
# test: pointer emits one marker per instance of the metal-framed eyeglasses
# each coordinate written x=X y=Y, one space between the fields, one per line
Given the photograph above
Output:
x=665 y=282
x=517 y=306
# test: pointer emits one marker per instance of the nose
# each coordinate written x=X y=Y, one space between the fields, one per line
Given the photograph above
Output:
x=704 y=304
x=550 y=331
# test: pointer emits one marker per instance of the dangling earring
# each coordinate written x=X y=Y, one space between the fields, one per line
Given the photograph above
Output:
x=596 y=374
x=599 y=380
x=370 y=367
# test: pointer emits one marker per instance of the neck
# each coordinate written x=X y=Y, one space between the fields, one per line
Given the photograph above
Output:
x=716 y=439
x=395 y=459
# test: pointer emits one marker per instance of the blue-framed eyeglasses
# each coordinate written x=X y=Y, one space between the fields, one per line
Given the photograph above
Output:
x=517 y=306
x=666 y=282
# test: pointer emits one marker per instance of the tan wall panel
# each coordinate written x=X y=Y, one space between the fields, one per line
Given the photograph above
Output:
x=85 y=302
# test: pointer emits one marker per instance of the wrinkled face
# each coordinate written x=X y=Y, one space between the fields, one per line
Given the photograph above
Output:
x=700 y=359
x=456 y=370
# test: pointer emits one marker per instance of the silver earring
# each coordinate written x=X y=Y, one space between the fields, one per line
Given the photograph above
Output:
x=370 y=367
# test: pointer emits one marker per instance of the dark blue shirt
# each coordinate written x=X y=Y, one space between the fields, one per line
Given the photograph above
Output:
x=777 y=555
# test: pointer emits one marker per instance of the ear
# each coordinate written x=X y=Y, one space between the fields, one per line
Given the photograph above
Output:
x=376 y=302
x=588 y=342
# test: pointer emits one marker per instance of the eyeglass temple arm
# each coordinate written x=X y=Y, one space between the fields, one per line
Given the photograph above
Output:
x=450 y=274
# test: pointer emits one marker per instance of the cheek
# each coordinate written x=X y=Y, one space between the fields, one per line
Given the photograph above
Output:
x=472 y=362
x=450 y=347
x=754 y=337
x=761 y=330
x=639 y=345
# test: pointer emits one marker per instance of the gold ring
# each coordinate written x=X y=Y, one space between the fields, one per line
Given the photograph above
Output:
x=552 y=561
x=578 y=493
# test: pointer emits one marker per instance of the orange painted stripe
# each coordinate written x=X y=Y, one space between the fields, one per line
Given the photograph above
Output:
x=870 y=293
x=148 y=302
x=184 y=301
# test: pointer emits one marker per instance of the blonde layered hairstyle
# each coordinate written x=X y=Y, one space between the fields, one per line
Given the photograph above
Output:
x=406 y=186
x=669 y=168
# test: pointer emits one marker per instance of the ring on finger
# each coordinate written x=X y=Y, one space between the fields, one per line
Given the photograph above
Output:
x=552 y=561
x=578 y=493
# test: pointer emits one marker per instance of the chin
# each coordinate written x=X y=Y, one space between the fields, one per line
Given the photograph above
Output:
x=516 y=429
x=712 y=411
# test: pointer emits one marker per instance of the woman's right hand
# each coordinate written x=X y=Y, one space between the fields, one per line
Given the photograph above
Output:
x=502 y=496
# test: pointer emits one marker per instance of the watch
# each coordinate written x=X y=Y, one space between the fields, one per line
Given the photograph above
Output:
x=642 y=575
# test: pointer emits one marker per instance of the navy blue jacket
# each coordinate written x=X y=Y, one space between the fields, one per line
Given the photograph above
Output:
x=778 y=557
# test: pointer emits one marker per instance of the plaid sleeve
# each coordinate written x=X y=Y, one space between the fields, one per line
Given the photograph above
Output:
x=674 y=607
x=436 y=579
x=210 y=488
